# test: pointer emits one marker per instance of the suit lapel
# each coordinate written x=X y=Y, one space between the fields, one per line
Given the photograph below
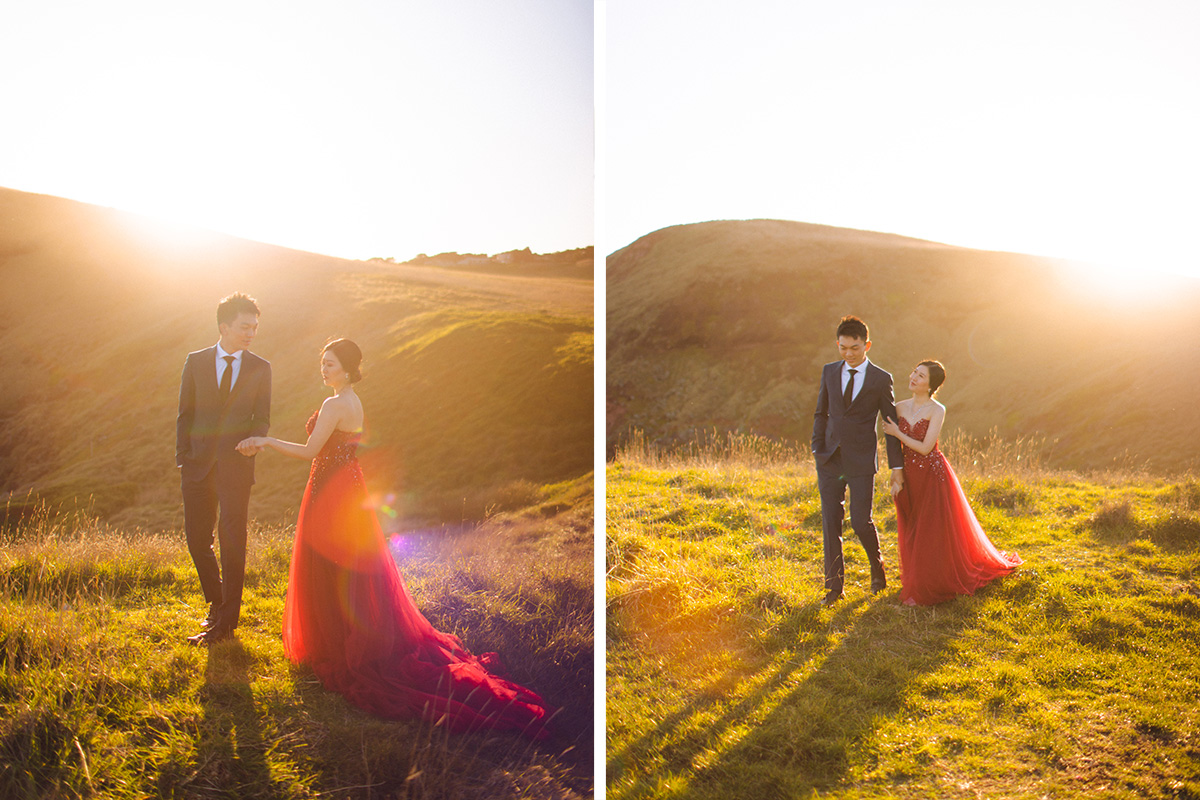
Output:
x=868 y=374
x=206 y=381
x=243 y=375
x=875 y=376
x=835 y=385
x=868 y=378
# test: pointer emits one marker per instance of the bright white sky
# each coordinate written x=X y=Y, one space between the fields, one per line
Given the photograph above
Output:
x=1067 y=129
x=358 y=128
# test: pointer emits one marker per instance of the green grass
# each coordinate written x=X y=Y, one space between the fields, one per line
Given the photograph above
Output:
x=100 y=696
x=727 y=678
x=488 y=398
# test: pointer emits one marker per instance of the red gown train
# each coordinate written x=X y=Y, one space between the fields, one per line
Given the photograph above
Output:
x=943 y=550
x=349 y=617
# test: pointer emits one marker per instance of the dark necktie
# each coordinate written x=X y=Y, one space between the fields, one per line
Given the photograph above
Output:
x=848 y=395
x=227 y=378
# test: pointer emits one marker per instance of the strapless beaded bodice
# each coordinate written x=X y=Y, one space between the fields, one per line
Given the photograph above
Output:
x=340 y=451
x=932 y=460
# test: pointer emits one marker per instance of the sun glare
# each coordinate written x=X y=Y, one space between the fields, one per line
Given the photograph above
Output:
x=392 y=129
x=1116 y=284
x=164 y=233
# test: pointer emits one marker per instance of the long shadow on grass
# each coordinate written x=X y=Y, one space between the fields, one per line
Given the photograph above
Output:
x=1117 y=524
x=664 y=736
x=806 y=740
x=232 y=752
x=857 y=661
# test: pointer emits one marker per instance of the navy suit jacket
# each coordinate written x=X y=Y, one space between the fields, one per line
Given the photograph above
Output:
x=207 y=430
x=853 y=429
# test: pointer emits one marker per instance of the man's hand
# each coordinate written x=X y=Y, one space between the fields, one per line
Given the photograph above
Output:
x=250 y=446
x=897 y=481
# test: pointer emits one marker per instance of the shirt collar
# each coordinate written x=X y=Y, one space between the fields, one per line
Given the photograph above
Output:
x=860 y=369
x=221 y=353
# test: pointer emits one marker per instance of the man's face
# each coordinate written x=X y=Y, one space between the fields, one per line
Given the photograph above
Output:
x=238 y=335
x=853 y=351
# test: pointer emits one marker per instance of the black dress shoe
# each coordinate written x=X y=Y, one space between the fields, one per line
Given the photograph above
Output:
x=211 y=619
x=832 y=598
x=210 y=637
x=878 y=580
x=215 y=635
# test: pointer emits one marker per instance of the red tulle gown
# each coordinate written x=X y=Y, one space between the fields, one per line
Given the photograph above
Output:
x=943 y=550
x=349 y=617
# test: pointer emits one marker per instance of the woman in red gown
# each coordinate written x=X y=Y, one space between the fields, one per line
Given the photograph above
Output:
x=348 y=614
x=943 y=550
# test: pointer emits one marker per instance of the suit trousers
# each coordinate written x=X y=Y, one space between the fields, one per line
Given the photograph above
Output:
x=229 y=491
x=832 y=485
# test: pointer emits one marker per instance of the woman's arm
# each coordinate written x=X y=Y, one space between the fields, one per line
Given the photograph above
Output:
x=327 y=419
x=922 y=446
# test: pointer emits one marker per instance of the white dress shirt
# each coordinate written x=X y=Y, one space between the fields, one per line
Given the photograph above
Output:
x=860 y=377
x=221 y=365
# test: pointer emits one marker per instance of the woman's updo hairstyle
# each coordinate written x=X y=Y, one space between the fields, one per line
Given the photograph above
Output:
x=348 y=355
x=937 y=375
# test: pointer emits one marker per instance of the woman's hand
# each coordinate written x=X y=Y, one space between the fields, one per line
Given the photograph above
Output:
x=890 y=427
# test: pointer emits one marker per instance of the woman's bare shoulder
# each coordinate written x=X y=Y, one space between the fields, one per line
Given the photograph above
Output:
x=347 y=410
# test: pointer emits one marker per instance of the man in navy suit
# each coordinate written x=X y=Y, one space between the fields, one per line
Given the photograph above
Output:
x=224 y=396
x=845 y=443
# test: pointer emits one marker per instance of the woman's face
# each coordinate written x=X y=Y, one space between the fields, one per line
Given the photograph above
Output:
x=331 y=369
x=918 y=381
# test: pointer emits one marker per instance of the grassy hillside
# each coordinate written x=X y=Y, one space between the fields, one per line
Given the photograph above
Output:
x=101 y=697
x=726 y=325
x=476 y=384
x=727 y=678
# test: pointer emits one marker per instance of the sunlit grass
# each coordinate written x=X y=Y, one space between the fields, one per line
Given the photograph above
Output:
x=728 y=678
x=100 y=696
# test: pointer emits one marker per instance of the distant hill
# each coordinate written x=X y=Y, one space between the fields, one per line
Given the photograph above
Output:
x=577 y=263
x=476 y=387
x=726 y=325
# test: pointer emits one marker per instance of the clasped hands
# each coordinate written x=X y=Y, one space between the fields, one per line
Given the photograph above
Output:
x=252 y=445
